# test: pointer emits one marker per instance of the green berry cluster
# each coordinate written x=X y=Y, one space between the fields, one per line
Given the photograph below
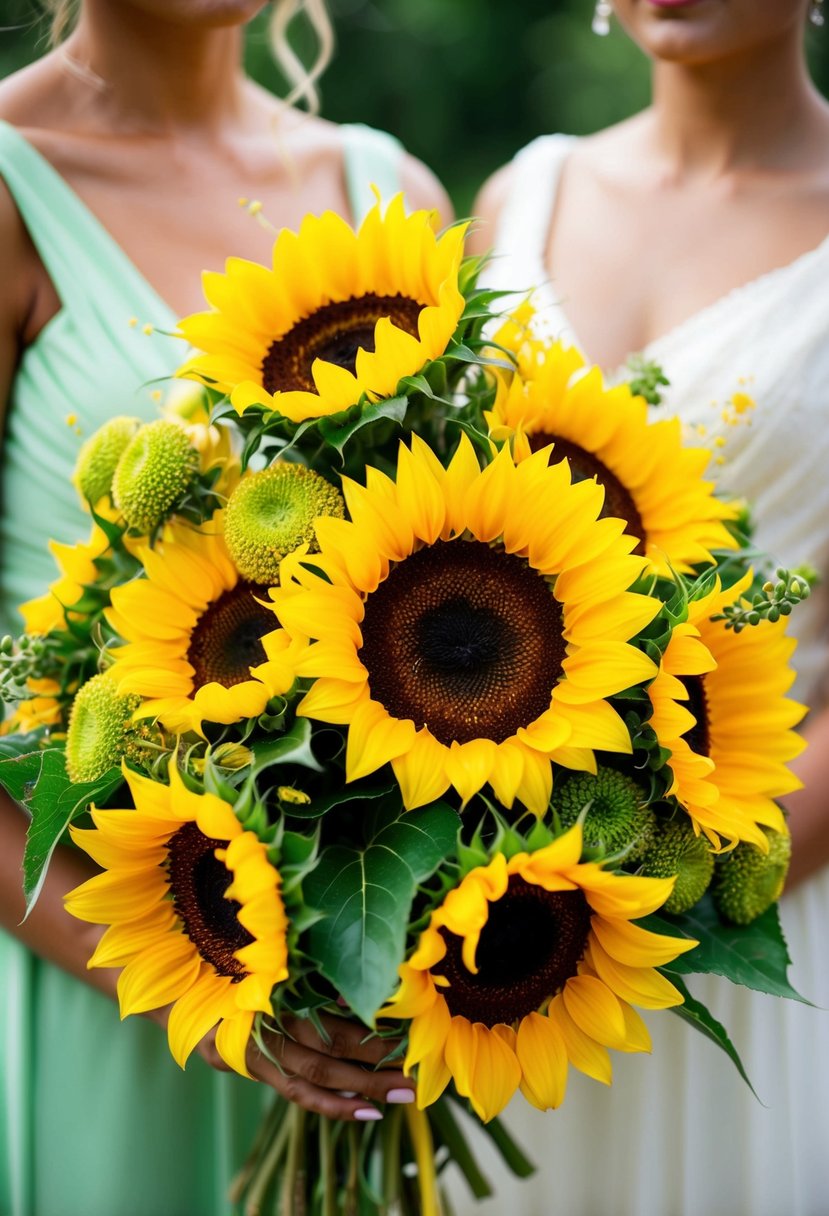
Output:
x=774 y=600
x=21 y=660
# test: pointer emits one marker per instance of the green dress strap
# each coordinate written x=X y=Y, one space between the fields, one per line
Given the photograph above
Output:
x=69 y=238
x=86 y=365
x=372 y=158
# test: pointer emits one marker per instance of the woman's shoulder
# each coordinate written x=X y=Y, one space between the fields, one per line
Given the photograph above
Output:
x=508 y=181
x=32 y=99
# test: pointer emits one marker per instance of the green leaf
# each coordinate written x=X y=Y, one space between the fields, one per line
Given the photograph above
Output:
x=753 y=955
x=339 y=428
x=366 y=897
x=318 y=807
x=12 y=746
x=40 y=782
x=696 y=1014
x=294 y=747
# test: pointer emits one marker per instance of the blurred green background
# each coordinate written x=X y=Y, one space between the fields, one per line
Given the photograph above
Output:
x=463 y=83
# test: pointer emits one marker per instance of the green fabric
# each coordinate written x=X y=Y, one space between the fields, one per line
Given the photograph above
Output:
x=96 y=1119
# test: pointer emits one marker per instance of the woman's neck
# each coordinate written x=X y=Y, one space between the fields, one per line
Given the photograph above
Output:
x=757 y=110
x=156 y=76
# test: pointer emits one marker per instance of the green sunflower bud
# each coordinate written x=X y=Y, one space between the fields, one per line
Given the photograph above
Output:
x=100 y=729
x=153 y=473
x=677 y=849
x=99 y=456
x=617 y=818
x=747 y=881
x=272 y=513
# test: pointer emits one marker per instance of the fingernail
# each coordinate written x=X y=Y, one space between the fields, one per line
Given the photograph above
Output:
x=367 y=1114
x=400 y=1095
x=348 y=1093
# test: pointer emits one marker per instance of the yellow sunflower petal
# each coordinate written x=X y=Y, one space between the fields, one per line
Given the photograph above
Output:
x=496 y=1073
x=158 y=975
x=595 y=1010
x=583 y=1051
x=195 y=1013
x=232 y=1040
x=542 y=1055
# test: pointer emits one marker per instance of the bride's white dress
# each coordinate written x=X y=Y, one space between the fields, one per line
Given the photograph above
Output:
x=679 y=1133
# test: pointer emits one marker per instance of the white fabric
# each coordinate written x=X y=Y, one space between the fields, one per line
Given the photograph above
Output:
x=679 y=1134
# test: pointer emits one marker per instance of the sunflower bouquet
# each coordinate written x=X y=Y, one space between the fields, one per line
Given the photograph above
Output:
x=412 y=675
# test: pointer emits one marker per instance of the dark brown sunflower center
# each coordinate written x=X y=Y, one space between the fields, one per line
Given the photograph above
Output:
x=618 y=501
x=335 y=333
x=697 y=737
x=198 y=882
x=464 y=639
x=226 y=641
x=528 y=949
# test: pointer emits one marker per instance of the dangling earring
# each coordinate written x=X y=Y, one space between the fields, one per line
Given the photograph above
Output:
x=604 y=11
x=816 y=13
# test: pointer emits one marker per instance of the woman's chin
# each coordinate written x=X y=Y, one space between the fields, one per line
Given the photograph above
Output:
x=200 y=13
x=704 y=31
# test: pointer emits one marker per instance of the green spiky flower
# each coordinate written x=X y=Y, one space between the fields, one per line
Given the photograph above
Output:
x=748 y=881
x=272 y=513
x=100 y=729
x=153 y=474
x=99 y=456
x=676 y=849
x=616 y=820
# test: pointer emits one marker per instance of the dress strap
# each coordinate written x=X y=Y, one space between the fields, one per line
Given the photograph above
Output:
x=372 y=158
x=84 y=262
x=524 y=222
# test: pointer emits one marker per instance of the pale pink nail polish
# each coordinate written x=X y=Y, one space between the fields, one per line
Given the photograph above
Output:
x=367 y=1114
x=400 y=1095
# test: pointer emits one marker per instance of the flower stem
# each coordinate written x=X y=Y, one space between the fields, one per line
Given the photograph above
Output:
x=352 y=1186
x=265 y=1171
x=293 y=1181
x=268 y=1128
x=424 y=1150
x=391 y=1159
x=509 y=1150
x=327 y=1169
x=452 y=1136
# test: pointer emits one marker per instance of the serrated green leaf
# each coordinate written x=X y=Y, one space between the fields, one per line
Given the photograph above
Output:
x=294 y=747
x=696 y=1014
x=41 y=784
x=754 y=955
x=366 y=896
x=338 y=429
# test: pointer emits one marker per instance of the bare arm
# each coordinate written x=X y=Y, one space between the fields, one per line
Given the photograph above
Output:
x=809 y=807
x=487 y=210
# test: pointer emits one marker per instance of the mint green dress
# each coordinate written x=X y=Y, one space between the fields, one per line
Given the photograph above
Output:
x=95 y=1117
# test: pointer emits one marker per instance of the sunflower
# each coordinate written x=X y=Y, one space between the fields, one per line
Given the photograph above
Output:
x=77 y=565
x=720 y=708
x=342 y=315
x=199 y=643
x=468 y=626
x=650 y=479
x=529 y=965
x=194 y=911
